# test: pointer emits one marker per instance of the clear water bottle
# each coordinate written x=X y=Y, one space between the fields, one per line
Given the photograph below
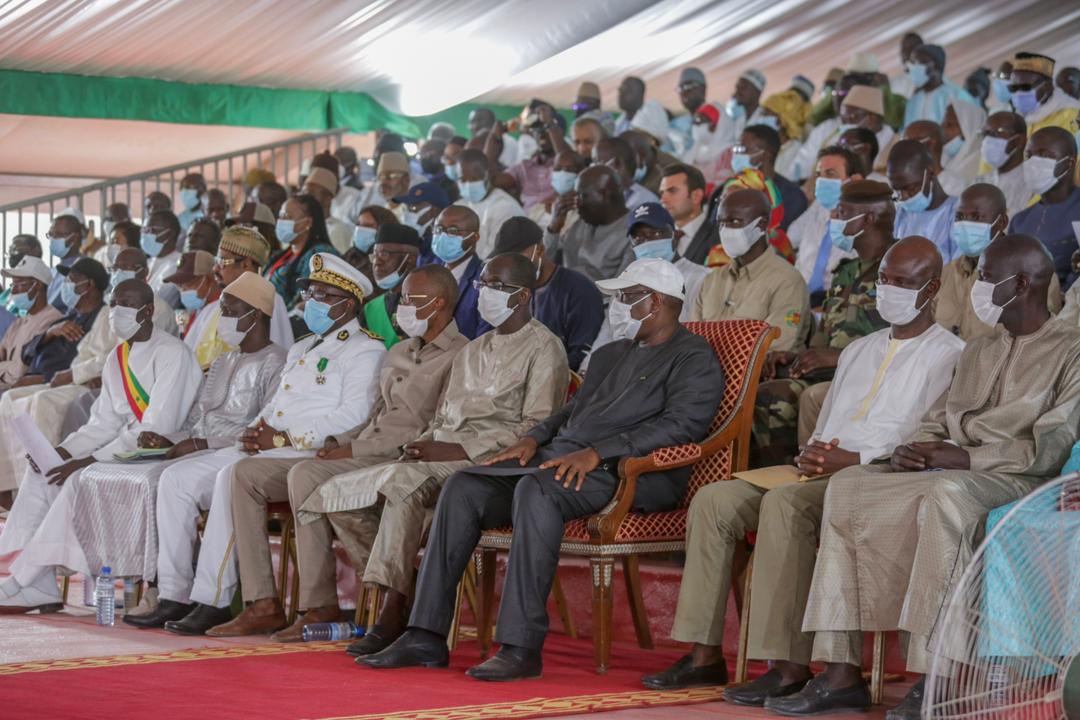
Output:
x=89 y=590
x=105 y=590
x=331 y=631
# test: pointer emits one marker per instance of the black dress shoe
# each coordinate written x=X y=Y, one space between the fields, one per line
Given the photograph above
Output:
x=510 y=663
x=910 y=708
x=683 y=674
x=166 y=610
x=415 y=648
x=758 y=690
x=374 y=640
x=816 y=699
x=199 y=620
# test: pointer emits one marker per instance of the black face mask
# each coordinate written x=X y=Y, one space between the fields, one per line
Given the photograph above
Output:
x=431 y=166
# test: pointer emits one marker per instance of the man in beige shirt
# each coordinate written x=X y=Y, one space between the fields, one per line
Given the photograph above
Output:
x=758 y=284
x=29 y=293
x=981 y=216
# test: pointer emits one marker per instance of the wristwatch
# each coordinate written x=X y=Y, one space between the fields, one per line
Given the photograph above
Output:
x=279 y=440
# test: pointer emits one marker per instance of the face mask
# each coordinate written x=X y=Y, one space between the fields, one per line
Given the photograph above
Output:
x=918 y=202
x=123 y=321
x=952 y=147
x=971 y=237
x=896 y=305
x=982 y=301
x=741 y=162
x=58 y=245
x=317 y=316
x=412 y=219
x=472 y=190
x=659 y=249
x=69 y=295
x=363 y=238
x=120 y=276
x=737 y=241
x=107 y=227
x=393 y=279
x=995 y=151
x=22 y=301
x=701 y=134
x=493 y=306
x=190 y=198
x=452 y=172
x=111 y=253
x=285 y=230
x=1001 y=90
x=448 y=248
x=150 y=244
x=1039 y=175
x=562 y=181
x=190 y=300
x=1025 y=101
x=840 y=241
x=623 y=325
x=734 y=110
x=918 y=74
x=229 y=332
x=827 y=192
x=772 y=121
x=408 y=321
x=639 y=173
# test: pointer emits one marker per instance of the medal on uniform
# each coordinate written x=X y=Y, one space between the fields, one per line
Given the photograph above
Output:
x=320 y=379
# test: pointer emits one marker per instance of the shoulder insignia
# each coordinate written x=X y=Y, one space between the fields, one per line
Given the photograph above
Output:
x=793 y=318
x=343 y=335
x=316 y=262
x=372 y=335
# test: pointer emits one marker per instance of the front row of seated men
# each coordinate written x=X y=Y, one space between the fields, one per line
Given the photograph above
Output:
x=361 y=441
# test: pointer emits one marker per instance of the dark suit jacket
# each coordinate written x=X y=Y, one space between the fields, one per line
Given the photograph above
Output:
x=704 y=239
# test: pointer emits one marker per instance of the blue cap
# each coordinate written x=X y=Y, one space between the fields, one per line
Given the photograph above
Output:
x=425 y=192
x=652 y=214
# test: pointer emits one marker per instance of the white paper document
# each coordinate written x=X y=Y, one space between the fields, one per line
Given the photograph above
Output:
x=36 y=445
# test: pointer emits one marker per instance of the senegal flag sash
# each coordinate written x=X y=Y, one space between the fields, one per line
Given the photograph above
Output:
x=138 y=399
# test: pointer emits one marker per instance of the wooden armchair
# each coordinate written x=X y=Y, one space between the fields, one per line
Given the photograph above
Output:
x=616 y=531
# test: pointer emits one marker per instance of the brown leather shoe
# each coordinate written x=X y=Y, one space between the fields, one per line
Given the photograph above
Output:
x=261 y=617
x=24 y=609
x=329 y=614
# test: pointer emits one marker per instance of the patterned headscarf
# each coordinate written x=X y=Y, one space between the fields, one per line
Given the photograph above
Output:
x=755 y=180
x=792 y=111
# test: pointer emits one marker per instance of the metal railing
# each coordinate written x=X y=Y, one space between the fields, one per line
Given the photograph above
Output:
x=225 y=172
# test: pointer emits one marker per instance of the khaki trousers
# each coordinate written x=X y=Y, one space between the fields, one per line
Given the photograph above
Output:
x=810 y=403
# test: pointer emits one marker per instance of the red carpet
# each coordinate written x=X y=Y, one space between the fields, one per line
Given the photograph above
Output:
x=317 y=680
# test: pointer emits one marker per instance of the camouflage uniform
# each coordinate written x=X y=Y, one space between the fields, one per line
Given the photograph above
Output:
x=848 y=313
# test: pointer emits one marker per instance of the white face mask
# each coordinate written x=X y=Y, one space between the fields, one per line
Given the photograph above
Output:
x=493 y=306
x=896 y=305
x=228 y=331
x=737 y=241
x=1040 y=174
x=982 y=301
x=701 y=134
x=111 y=253
x=623 y=326
x=123 y=321
x=408 y=321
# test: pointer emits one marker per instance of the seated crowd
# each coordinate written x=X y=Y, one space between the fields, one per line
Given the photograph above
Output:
x=480 y=334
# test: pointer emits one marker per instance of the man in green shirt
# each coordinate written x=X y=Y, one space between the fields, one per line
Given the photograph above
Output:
x=393 y=256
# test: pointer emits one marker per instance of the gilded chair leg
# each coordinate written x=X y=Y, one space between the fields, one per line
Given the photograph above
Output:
x=486 y=622
x=294 y=604
x=744 y=624
x=877 y=671
x=469 y=586
x=64 y=584
x=637 y=604
x=286 y=561
x=564 y=608
x=602 y=569
x=360 y=616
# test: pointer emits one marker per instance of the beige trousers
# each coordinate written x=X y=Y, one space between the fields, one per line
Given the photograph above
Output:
x=810 y=403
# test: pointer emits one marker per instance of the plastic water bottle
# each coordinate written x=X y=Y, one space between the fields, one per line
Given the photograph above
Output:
x=89 y=590
x=105 y=591
x=331 y=631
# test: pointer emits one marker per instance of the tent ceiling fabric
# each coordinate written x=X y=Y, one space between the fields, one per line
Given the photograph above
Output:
x=421 y=56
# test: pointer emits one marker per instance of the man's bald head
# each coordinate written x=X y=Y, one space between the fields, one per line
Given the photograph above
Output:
x=912 y=264
x=929 y=133
x=982 y=202
x=133 y=294
x=600 y=194
x=1020 y=267
x=909 y=155
x=752 y=203
x=132 y=259
x=1057 y=142
x=915 y=256
x=461 y=217
x=512 y=269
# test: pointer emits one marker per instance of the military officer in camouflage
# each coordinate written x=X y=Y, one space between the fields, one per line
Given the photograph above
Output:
x=863 y=221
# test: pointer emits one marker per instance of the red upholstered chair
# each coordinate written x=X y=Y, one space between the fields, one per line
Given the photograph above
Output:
x=616 y=532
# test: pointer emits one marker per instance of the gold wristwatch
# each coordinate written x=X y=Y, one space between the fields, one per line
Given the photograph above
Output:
x=279 y=440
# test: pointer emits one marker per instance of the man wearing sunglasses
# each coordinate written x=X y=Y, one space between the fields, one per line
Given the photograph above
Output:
x=1033 y=95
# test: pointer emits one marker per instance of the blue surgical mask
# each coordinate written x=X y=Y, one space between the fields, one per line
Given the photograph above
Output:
x=120 y=276
x=995 y=151
x=393 y=279
x=734 y=110
x=189 y=198
x=841 y=241
x=918 y=73
x=317 y=316
x=363 y=238
x=639 y=173
x=150 y=244
x=22 y=301
x=190 y=299
x=58 y=245
x=1025 y=101
x=562 y=181
x=472 y=190
x=448 y=248
x=285 y=230
x=971 y=237
x=69 y=295
x=1001 y=90
x=661 y=249
x=740 y=162
x=452 y=172
x=827 y=192
x=952 y=147
x=918 y=202
x=770 y=120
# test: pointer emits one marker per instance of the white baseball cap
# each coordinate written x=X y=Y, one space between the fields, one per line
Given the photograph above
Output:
x=653 y=273
x=72 y=212
x=30 y=267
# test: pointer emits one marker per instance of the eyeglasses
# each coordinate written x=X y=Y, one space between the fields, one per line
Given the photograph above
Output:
x=391 y=175
x=381 y=254
x=496 y=285
x=452 y=230
x=323 y=296
x=412 y=299
x=226 y=262
x=627 y=297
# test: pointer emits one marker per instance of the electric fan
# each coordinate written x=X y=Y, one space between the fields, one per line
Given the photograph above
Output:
x=1008 y=643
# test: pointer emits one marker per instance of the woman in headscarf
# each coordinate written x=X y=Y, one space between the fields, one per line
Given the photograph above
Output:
x=788 y=111
x=754 y=180
x=960 y=155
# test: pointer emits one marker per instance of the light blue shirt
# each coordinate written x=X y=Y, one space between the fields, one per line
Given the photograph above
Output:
x=935 y=225
x=683 y=125
x=637 y=195
x=931 y=106
x=189 y=216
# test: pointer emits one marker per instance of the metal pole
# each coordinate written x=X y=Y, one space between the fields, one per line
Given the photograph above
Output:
x=231 y=182
x=35 y=220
